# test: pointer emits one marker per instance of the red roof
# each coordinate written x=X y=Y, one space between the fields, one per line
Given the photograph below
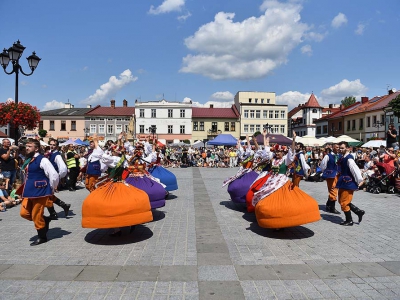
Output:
x=3 y=135
x=112 y=111
x=295 y=110
x=215 y=112
x=384 y=101
x=312 y=102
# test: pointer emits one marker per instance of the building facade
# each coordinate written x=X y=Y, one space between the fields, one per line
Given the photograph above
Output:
x=257 y=109
x=169 y=121
x=207 y=123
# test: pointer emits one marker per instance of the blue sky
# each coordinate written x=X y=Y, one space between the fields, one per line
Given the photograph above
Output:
x=206 y=51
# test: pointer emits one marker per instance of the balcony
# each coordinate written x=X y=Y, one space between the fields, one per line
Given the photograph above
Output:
x=213 y=132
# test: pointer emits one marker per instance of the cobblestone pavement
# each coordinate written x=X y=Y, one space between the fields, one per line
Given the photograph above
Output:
x=203 y=246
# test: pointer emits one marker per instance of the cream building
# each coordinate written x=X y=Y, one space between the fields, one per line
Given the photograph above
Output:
x=257 y=109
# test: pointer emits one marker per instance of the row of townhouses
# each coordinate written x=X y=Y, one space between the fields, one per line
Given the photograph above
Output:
x=172 y=121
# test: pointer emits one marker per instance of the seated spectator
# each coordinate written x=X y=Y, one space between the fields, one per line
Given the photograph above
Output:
x=5 y=199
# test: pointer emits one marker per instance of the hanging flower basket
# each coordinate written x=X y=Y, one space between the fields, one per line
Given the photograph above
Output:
x=21 y=114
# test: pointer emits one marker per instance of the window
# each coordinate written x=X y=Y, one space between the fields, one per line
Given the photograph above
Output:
x=101 y=119
x=353 y=124
x=51 y=125
x=325 y=129
x=361 y=124
x=73 y=125
x=63 y=126
x=92 y=119
x=251 y=128
x=258 y=128
x=276 y=128
x=182 y=113
x=110 y=129
x=246 y=113
x=249 y=100
x=382 y=119
x=153 y=113
x=226 y=126
x=119 y=119
x=277 y=114
x=141 y=113
x=314 y=111
x=268 y=100
x=256 y=100
x=170 y=130
x=373 y=120
x=170 y=113
x=252 y=114
x=262 y=100
x=283 y=114
x=340 y=126
x=101 y=128
x=127 y=119
x=214 y=126
x=348 y=125
x=368 y=121
x=182 y=129
x=118 y=128
x=271 y=114
x=233 y=126
x=246 y=128
x=126 y=129
x=314 y=120
x=282 y=129
x=40 y=125
x=141 y=128
x=92 y=128
x=110 y=119
x=195 y=126
x=201 y=126
x=318 y=129
x=258 y=114
x=265 y=113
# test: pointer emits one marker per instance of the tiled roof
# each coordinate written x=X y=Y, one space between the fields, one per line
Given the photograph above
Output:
x=3 y=135
x=384 y=101
x=344 y=111
x=66 y=112
x=215 y=112
x=312 y=102
x=372 y=104
x=295 y=110
x=332 y=110
x=110 y=111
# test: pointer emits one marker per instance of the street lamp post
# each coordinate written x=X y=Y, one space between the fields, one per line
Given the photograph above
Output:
x=13 y=54
x=268 y=127
x=378 y=125
x=152 y=129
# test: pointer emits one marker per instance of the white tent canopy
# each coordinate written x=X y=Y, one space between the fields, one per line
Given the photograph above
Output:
x=309 y=140
x=43 y=143
x=345 y=138
x=374 y=144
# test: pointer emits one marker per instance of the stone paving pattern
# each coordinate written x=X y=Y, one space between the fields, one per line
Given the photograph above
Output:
x=203 y=246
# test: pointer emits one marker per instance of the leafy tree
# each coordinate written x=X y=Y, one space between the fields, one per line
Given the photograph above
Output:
x=347 y=101
x=395 y=105
x=42 y=133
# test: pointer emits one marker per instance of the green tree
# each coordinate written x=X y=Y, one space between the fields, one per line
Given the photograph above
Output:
x=395 y=105
x=42 y=133
x=347 y=101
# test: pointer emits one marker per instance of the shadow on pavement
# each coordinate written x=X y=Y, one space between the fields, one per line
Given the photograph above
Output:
x=101 y=236
x=330 y=217
x=53 y=233
x=292 y=233
x=240 y=207
x=157 y=215
x=171 y=197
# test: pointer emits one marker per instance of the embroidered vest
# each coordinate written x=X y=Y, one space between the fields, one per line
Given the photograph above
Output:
x=346 y=180
x=52 y=159
x=298 y=168
x=36 y=184
x=331 y=167
x=93 y=168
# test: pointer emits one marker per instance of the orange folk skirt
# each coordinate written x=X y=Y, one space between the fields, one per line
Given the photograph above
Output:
x=288 y=206
x=116 y=204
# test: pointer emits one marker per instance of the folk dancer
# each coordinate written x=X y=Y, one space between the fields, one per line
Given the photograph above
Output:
x=94 y=167
x=300 y=167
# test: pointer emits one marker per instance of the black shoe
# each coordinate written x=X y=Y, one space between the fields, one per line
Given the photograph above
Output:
x=349 y=220
x=333 y=209
x=42 y=238
x=117 y=233
x=53 y=213
x=39 y=241
x=66 y=208
x=360 y=213
x=62 y=204
x=328 y=206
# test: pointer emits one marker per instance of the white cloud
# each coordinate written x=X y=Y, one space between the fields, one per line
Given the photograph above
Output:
x=110 y=88
x=249 y=49
x=292 y=99
x=339 y=20
x=219 y=104
x=53 y=105
x=345 y=88
x=315 y=36
x=306 y=49
x=167 y=6
x=183 y=18
x=360 y=29
x=222 y=96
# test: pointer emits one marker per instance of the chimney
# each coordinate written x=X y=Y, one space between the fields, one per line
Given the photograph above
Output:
x=89 y=106
x=211 y=105
x=112 y=103
x=391 y=91
x=330 y=105
x=125 y=103
x=364 y=99
x=341 y=106
x=68 y=105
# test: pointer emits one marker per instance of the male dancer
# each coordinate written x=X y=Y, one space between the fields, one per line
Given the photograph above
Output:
x=93 y=171
x=41 y=180
x=349 y=180
x=300 y=168
x=330 y=173
x=60 y=166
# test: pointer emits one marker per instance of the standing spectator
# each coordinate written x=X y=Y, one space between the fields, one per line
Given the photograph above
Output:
x=391 y=137
x=8 y=156
x=73 y=167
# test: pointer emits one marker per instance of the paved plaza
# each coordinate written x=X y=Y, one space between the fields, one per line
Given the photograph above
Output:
x=203 y=246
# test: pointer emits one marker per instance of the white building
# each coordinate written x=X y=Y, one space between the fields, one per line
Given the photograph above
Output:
x=258 y=109
x=172 y=121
